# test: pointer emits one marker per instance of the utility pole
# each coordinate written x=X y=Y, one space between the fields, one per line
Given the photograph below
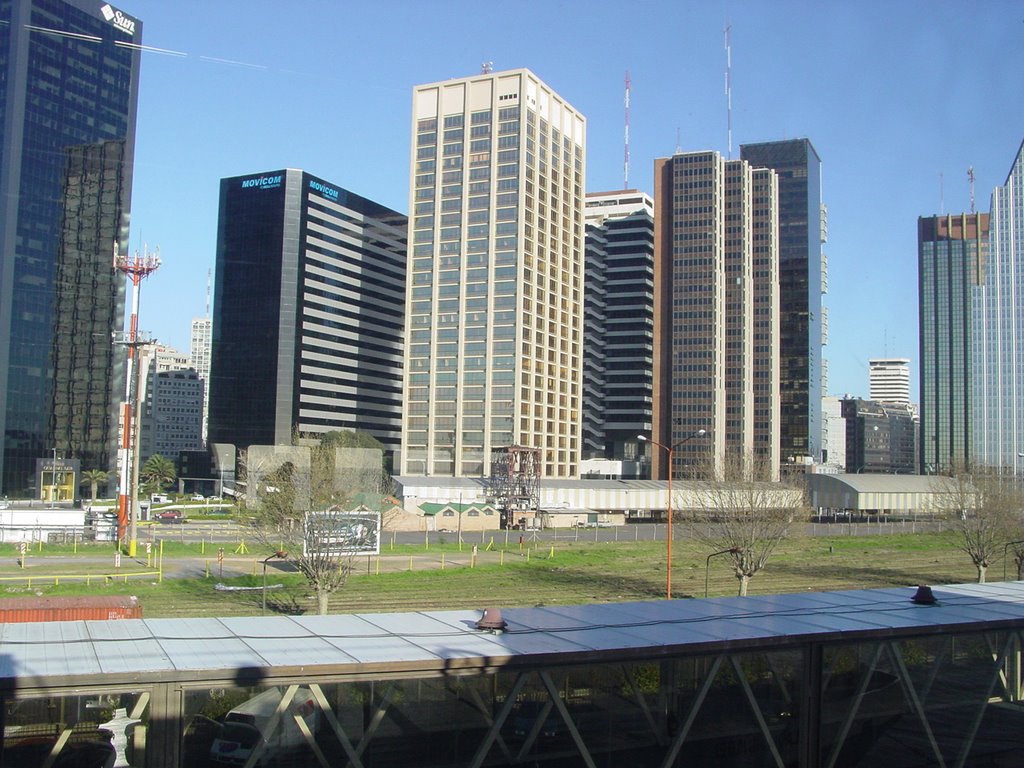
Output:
x=136 y=268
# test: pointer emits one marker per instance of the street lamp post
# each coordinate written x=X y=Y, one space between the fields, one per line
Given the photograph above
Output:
x=707 y=563
x=670 y=449
x=279 y=555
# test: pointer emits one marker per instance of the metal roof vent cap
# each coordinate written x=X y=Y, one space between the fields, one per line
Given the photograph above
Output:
x=924 y=596
x=491 y=621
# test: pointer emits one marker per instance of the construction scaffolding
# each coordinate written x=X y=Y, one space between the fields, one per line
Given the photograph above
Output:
x=512 y=485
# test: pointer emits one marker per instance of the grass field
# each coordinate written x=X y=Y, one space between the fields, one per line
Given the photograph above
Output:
x=576 y=573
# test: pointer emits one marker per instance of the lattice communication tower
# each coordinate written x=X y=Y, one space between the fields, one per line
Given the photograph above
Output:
x=512 y=484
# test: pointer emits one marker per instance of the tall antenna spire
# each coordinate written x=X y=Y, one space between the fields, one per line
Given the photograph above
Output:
x=208 y=271
x=970 y=177
x=728 y=84
x=679 y=144
x=625 y=162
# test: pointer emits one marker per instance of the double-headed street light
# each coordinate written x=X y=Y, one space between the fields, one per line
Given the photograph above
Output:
x=670 y=449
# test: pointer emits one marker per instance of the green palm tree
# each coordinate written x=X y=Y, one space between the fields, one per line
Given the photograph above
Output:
x=94 y=477
x=159 y=472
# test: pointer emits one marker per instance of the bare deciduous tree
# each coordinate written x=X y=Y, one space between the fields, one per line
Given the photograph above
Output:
x=980 y=504
x=300 y=501
x=741 y=513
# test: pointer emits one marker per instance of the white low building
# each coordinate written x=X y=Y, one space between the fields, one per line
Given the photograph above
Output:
x=565 y=503
x=19 y=523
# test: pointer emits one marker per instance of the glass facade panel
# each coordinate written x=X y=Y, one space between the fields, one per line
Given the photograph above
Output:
x=65 y=163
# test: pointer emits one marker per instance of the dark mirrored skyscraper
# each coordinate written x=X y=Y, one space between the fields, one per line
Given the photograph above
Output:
x=802 y=229
x=309 y=302
x=68 y=103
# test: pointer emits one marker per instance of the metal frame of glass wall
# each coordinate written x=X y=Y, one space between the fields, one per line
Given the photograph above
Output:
x=925 y=693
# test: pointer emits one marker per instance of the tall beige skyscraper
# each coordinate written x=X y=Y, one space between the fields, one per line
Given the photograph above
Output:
x=716 y=312
x=494 y=337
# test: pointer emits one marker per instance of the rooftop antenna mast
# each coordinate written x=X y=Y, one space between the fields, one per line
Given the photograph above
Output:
x=208 y=271
x=970 y=178
x=136 y=268
x=625 y=162
x=728 y=84
x=679 y=144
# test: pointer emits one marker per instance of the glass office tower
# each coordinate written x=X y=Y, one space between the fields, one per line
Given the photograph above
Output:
x=998 y=372
x=802 y=231
x=951 y=255
x=70 y=81
x=495 y=290
x=308 y=312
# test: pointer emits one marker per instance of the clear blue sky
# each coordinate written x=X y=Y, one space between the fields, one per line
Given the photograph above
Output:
x=899 y=98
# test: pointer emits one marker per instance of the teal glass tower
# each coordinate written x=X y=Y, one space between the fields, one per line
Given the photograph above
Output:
x=951 y=252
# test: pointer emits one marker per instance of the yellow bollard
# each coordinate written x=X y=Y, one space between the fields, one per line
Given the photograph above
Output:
x=377 y=569
x=207 y=569
x=202 y=546
x=410 y=562
x=527 y=555
x=551 y=554
x=442 y=561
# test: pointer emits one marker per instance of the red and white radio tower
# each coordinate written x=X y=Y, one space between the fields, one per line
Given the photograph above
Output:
x=136 y=268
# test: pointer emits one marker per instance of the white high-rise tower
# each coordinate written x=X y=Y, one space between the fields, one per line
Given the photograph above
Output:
x=494 y=335
x=889 y=380
x=201 y=343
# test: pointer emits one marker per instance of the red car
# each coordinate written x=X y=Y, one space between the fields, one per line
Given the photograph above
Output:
x=169 y=516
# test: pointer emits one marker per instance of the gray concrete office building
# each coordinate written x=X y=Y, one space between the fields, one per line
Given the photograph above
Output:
x=717 y=318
